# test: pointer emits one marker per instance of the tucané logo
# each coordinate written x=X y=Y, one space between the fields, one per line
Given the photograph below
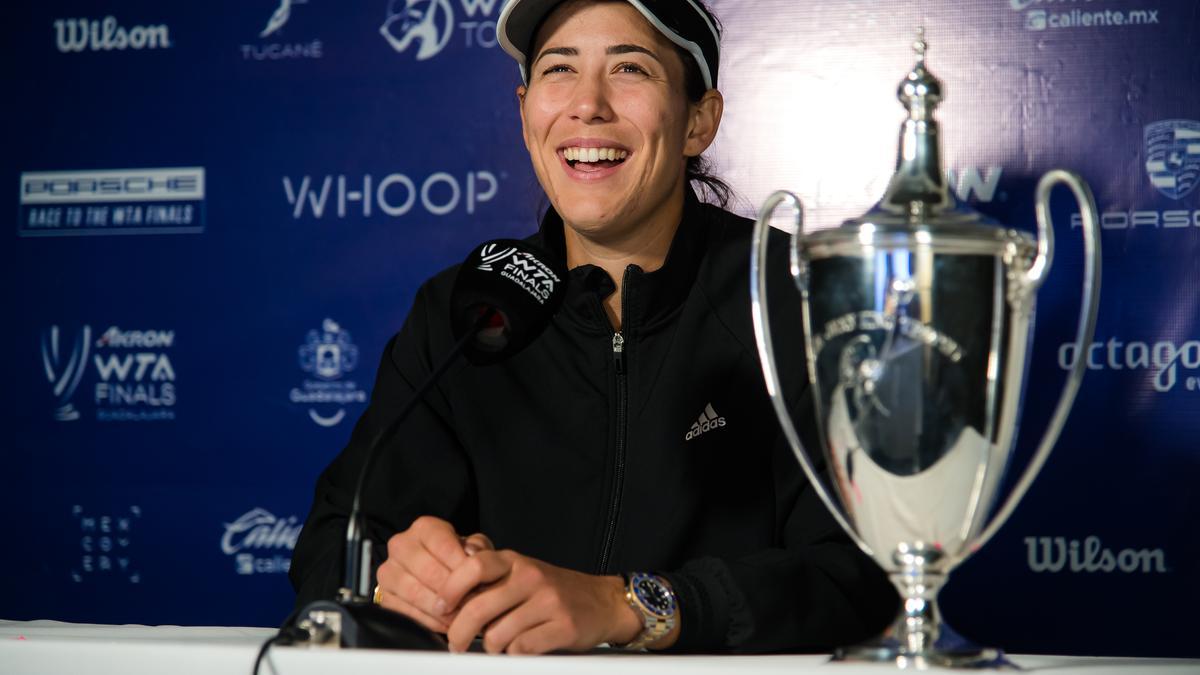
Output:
x=275 y=50
x=1058 y=554
x=77 y=35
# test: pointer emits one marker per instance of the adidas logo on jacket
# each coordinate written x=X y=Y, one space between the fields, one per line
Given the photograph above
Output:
x=707 y=421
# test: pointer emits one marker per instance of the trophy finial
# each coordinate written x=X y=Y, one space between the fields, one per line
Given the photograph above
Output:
x=919 y=185
x=920 y=91
x=920 y=45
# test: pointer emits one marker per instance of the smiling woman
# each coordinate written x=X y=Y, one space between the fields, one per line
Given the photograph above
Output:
x=623 y=479
x=610 y=128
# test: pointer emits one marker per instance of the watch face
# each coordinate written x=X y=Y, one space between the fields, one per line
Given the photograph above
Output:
x=653 y=594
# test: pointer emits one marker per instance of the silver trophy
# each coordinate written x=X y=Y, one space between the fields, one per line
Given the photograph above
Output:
x=917 y=319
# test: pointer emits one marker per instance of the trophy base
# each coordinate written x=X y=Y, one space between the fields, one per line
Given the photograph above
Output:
x=889 y=650
x=949 y=650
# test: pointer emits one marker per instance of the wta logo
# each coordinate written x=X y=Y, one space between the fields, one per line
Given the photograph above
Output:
x=429 y=25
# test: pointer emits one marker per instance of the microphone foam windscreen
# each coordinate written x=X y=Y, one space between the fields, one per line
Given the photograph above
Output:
x=522 y=284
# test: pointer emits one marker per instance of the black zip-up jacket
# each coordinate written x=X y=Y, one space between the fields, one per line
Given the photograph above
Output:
x=653 y=449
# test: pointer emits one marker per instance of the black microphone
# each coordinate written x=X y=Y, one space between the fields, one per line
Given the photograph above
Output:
x=520 y=284
x=503 y=297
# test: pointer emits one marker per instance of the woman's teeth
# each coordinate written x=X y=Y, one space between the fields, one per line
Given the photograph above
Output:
x=594 y=154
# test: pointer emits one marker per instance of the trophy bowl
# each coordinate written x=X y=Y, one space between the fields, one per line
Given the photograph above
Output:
x=917 y=320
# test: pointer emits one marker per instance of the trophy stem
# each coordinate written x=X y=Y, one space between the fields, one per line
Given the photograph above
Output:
x=917 y=628
x=918 y=638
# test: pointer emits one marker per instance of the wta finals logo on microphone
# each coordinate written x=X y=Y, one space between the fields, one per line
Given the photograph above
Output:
x=522 y=268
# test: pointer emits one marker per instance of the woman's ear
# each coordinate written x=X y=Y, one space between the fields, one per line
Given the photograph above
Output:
x=521 y=110
x=704 y=117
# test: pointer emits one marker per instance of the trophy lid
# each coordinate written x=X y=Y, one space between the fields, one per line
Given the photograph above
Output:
x=917 y=206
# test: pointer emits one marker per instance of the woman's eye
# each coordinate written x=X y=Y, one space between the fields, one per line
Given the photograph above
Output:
x=631 y=68
x=562 y=68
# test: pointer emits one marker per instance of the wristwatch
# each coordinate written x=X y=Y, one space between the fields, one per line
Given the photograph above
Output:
x=652 y=598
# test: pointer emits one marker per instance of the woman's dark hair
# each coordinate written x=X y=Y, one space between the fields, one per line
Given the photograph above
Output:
x=699 y=169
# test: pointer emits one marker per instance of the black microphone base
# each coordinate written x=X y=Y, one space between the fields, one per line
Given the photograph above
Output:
x=359 y=625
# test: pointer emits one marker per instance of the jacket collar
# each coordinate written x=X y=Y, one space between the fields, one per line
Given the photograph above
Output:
x=649 y=296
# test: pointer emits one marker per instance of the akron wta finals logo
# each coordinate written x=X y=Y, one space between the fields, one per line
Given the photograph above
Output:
x=427 y=22
x=1173 y=156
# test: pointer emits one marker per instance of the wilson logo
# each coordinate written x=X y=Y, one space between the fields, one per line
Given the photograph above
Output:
x=77 y=35
x=1057 y=554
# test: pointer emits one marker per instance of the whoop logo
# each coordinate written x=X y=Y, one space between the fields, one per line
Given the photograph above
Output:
x=426 y=22
x=394 y=195
x=64 y=378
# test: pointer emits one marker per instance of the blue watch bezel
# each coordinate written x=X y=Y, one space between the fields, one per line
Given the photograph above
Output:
x=635 y=580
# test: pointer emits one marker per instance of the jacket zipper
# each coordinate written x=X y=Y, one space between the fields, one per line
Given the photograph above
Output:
x=618 y=349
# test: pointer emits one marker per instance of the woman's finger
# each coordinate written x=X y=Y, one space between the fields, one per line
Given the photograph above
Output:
x=397 y=604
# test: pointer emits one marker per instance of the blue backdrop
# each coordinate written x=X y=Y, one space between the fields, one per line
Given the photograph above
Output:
x=221 y=213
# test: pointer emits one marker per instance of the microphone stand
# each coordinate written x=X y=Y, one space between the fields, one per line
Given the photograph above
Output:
x=354 y=620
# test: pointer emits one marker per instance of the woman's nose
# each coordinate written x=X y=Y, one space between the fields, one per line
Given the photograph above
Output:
x=590 y=102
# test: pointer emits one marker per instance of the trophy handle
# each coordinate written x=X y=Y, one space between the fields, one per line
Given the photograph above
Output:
x=1087 y=321
x=766 y=349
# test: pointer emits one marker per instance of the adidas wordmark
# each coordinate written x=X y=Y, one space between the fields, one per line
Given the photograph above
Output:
x=707 y=421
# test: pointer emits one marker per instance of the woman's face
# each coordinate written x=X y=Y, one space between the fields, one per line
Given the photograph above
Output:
x=605 y=117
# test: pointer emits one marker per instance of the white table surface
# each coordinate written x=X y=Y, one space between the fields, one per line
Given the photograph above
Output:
x=53 y=647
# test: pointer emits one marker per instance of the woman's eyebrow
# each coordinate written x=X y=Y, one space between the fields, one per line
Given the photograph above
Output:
x=561 y=51
x=613 y=50
x=631 y=49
